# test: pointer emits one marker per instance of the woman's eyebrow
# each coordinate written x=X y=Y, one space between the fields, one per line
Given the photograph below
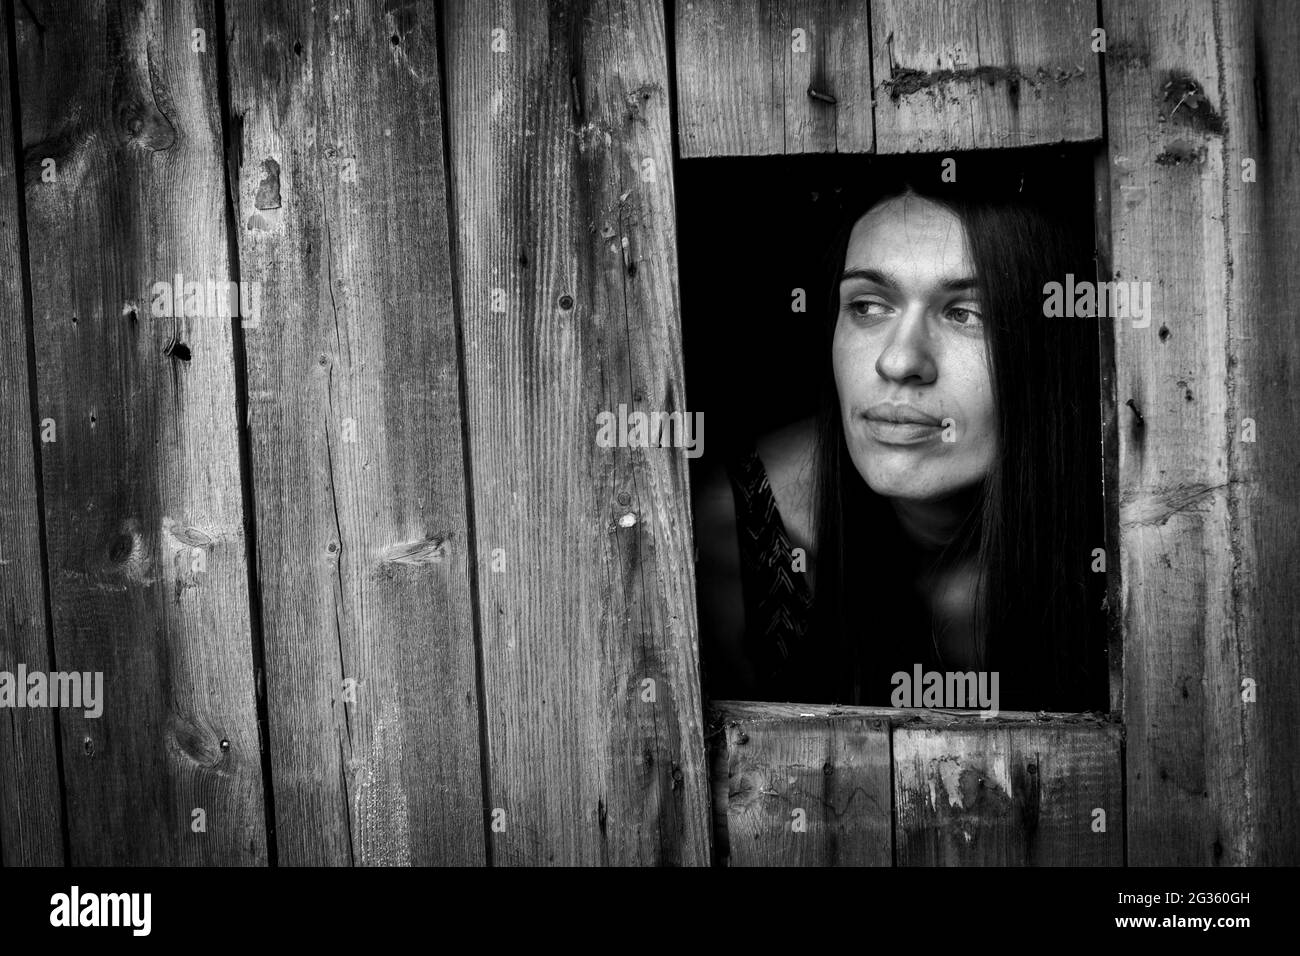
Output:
x=887 y=279
x=890 y=281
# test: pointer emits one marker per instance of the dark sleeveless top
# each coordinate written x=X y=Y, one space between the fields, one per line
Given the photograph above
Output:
x=780 y=639
x=778 y=599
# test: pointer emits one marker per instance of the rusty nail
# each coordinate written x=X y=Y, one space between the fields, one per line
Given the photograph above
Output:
x=1133 y=405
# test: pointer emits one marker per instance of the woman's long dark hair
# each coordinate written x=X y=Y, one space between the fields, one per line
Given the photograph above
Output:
x=1038 y=516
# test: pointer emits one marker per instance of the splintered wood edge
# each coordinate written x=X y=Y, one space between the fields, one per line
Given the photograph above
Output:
x=722 y=712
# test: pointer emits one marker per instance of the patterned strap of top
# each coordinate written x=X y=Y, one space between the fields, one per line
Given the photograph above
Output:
x=778 y=602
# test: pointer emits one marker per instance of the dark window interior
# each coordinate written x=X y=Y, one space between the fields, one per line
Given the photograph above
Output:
x=752 y=229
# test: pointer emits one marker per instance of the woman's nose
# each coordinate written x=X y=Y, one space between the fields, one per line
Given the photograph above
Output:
x=907 y=355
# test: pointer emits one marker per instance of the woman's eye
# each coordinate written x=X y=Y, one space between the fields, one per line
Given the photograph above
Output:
x=867 y=307
x=964 y=316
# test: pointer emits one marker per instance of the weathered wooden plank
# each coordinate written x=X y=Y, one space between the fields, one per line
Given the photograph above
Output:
x=981 y=74
x=936 y=717
x=355 y=433
x=1264 y=325
x=563 y=190
x=1208 y=516
x=1013 y=795
x=1110 y=422
x=963 y=792
x=145 y=526
x=30 y=797
x=760 y=77
x=730 y=78
x=719 y=788
x=808 y=791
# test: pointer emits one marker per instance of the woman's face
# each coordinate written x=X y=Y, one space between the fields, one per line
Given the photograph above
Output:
x=909 y=354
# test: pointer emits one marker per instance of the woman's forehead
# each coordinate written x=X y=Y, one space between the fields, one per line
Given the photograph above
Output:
x=911 y=237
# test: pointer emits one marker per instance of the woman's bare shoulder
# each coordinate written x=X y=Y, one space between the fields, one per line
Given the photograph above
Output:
x=789 y=458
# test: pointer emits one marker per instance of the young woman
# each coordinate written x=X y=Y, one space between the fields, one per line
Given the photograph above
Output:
x=944 y=507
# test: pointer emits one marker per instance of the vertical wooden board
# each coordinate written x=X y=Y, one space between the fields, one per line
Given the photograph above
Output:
x=730 y=79
x=145 y=525
x=563 y=189
x=1110 y=420
x=716 y=739
x=1207 y=518
x=1008 y=795
x=810 y=791
x=30 y=798
x=744 y=77
x=355 y=434
x=984 y=74
x=1264 y=238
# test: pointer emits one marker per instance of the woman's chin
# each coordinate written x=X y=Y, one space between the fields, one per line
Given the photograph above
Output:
x=912 y=484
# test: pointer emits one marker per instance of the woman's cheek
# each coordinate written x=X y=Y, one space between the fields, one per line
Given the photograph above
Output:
x=852 y=363
x=838 y=356
x=976 y=397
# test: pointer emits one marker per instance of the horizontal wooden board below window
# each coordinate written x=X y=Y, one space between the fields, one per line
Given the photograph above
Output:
x=810 y=784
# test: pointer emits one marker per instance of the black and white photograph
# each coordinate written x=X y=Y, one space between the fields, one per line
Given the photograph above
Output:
x=649 y=433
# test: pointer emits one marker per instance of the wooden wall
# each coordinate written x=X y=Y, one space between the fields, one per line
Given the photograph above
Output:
x=363 y=586
x=355 y=452
x=562 y=170
x=30 y=783
x=1203 y=197
x=144 y=522
x=1204 y=509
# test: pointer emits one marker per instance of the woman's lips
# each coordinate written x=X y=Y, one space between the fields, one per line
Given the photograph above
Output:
x=900 y=433
x=892 y=424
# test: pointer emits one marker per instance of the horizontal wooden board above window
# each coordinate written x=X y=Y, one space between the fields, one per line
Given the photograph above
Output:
x=763 y=77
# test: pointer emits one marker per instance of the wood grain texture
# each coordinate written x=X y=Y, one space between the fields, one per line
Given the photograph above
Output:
x=1208 y=519
x=147 y=559
x=967 y=795
x=719 y=787
x=808 y=791
x=962 y=790
x=1264 y=232
x=355 y=434
x=935 y=717
x=1110 y=422
x=30 y=797
x=983 y=74
x=563 y=191
x=744 y=78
